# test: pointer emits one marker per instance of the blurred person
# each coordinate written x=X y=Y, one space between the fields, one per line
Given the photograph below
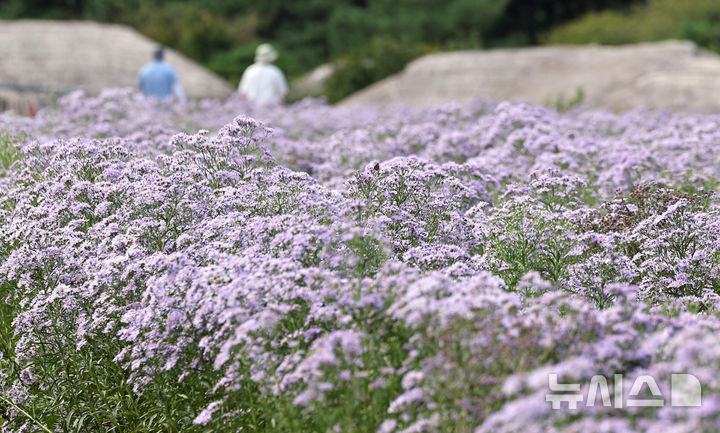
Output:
x=262 y=82
x=158 y=79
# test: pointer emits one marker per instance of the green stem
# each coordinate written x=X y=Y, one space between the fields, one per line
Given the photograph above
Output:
x=26 y=414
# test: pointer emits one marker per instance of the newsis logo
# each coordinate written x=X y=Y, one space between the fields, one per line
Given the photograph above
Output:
x=685 y=391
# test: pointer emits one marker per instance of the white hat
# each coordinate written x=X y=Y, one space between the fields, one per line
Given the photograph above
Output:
x=265 y=53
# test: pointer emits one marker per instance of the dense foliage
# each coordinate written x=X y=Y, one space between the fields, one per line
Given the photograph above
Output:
x=695 y=20
x=352 y=269
x=222 y=34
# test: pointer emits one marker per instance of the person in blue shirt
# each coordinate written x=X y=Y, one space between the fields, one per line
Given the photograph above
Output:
x=159 y=80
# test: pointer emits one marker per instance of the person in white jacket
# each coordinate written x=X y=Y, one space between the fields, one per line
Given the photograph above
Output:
x=263 y=83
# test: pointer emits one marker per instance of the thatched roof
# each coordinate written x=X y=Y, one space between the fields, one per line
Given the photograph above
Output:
x=671 y=74
x=61 y=55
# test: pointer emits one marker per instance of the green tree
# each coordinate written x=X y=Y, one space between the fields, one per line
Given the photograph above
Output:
x=697 y=20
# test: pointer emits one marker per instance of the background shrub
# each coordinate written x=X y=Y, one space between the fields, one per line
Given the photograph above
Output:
x=696 y=20
x=378 y=59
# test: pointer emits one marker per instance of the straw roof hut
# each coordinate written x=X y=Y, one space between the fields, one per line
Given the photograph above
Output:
x=671 y=74
x=42 y=58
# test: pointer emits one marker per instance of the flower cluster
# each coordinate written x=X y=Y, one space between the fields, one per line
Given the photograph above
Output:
x=213 y=266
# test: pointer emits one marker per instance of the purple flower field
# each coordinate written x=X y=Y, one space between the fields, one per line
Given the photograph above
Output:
x=216 y=268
